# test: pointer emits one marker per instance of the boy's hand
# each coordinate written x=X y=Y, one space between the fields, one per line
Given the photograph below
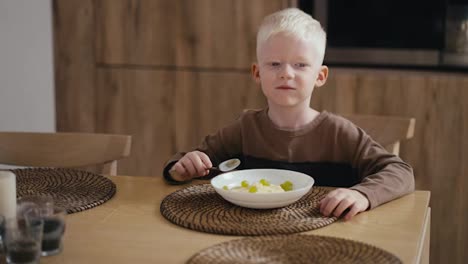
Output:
x=339 y=200
x=191 y=165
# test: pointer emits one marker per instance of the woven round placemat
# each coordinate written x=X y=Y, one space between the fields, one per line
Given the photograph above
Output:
x=72 y=189
x=200 y=208
x=293 y=249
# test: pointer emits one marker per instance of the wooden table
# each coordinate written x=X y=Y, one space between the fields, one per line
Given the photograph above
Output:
x=130 y=229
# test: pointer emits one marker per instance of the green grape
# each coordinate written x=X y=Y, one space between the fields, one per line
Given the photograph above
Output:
x=253 y=189
x=287 y=186
x=264 y=182
x=245 y=184
x=225 y=187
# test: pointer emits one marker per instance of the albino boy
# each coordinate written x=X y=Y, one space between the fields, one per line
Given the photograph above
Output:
x=289 y=134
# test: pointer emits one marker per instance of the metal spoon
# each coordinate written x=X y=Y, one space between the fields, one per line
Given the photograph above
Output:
x=227 y=165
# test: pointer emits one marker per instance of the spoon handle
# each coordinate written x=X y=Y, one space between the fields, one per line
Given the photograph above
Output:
x=214 y=169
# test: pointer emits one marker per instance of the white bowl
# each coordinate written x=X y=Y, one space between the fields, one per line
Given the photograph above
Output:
x=301 y=185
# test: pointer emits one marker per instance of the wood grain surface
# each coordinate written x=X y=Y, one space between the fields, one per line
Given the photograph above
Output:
x=74 y=65
x=168 y=111
x=129 y=228
x=202 y=33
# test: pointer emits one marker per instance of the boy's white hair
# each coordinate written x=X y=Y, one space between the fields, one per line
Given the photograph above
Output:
x=292 y=21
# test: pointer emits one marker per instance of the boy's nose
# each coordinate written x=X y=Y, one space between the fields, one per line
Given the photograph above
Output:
x=287 y=73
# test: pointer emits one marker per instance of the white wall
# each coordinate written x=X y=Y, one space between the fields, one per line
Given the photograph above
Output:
x=26 y=66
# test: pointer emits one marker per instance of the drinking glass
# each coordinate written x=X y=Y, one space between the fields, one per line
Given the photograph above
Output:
x=42 y=208
x=43 y=205
x=54 y=228
x=23 y=241
x=2 y=233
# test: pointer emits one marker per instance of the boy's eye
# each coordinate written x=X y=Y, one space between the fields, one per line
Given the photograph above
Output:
x=274 y=63
x=301 y=65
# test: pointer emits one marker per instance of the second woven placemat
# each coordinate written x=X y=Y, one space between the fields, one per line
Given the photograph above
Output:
x=294 y=249
x=200 y=208
x=74 y=190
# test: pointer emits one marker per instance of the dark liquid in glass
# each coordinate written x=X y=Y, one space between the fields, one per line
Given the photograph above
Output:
x=2 y=228
x=2 y=237
x=23 y=252
x=53 y=231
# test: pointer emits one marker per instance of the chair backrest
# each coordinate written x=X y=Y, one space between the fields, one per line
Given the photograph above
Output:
x=64 y=150
x=388 y=131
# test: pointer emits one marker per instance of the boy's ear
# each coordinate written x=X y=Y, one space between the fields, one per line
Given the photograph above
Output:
x=322 y=76
x=255 y=72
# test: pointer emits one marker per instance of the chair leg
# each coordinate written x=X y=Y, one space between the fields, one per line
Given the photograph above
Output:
x=110 y=168
x=394 y=148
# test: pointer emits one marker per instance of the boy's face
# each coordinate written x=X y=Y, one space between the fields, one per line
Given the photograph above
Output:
x=288 y=71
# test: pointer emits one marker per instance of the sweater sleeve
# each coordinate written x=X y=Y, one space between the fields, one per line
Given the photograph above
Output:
x=226 y=143
x=383 y=176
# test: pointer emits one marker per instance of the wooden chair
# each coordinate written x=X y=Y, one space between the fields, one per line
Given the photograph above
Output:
x=388 y=131
x=66 y=150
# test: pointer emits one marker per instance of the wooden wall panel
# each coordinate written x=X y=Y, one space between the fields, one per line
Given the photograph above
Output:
x=438 y=150
x=207 y=101
x=138 y=103
x=134 y=32
x=202 y=33
x=168 y=111
x=461 y=204
x=221 y=33
x=74 y=65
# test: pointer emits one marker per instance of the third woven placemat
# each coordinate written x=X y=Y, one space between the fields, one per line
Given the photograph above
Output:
x=200 y=208
x=294 y=249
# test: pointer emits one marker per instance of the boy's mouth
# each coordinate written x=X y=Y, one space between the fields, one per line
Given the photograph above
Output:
x=285 y=87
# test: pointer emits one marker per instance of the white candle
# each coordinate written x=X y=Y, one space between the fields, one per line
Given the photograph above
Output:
x=7 y=194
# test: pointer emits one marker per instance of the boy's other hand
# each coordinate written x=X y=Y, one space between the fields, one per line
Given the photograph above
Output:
x=191 y=165
x=340 y=200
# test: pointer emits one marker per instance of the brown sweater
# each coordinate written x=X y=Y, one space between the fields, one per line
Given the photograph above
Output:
x=331 y=149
